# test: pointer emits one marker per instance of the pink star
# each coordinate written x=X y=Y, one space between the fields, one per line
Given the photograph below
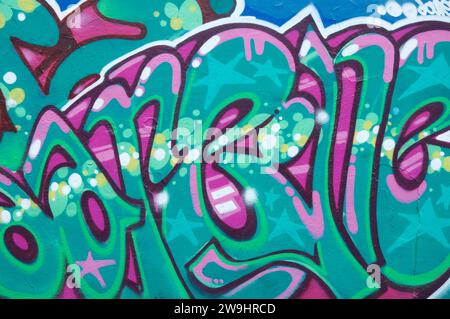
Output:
x=91 y=266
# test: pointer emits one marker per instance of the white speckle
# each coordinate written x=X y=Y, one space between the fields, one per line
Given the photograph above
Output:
x=26 y=203
x=5 y=217
x=209 y=45
x=21 y=16
x=376 y=129
x=10 y=78
x=98 y=104
x=196 y=63
x=389 y=144
x=93 y=182
x=66 y=190
x=250 y=196
x=293 y=151
x=409 y=10
x=34 y=149
x=322 y=117
x=297 y=137
x=350 y=50
x=436 y=164
x=146 y=73
x=124 y=159
x=54 y=186
x=139 y=92
x=160 y=154
x=408 y=48
x=162 y=199
x=306 y=46
x=75 y=180
x=394 y=9
x=269 y=142
x=11 y=103
x=135 y=155
x=362 y=136
x=276 y=128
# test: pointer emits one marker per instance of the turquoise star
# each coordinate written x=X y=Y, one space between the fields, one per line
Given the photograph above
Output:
x=445 y=198
x=269 y=71
x=437 y=73
x=425 y=223
x=182 y=227
x=271 y=198
x=285 y=226
x=219 y=75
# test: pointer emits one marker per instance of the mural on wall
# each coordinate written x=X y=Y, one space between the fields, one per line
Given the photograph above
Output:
x=222 y=149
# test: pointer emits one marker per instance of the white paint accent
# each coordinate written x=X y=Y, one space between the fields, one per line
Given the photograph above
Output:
x=444 y=137
x=209 y=45
x=226 y=207
x=408 y=48
x=34 y=149
x=350 y=50
x=306 y=46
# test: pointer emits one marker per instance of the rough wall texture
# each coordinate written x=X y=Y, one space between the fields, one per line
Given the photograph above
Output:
x=222 y=149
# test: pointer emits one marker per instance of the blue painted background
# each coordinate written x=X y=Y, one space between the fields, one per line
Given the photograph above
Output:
x=278 y=12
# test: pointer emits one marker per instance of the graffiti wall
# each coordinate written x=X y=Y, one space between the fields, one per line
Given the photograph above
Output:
x=224 y=149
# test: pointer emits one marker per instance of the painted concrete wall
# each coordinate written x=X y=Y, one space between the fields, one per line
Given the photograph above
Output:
x=224 y=149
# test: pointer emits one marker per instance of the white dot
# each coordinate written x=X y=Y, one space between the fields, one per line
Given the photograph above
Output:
x=10 y=78
x=297 y=137
x=135 y=155
x=93 y=182
x=75 y=180
x=54 y=186
x=293 y=151
x=124 y=159
x=196 y=63
x=389 y=144
x=250 y=196
x=66 y=190
x=11 y=103
x=409 y=10
x=162 y=199
x=269 y=142
x=21 y=16
x=436 y=164
x=5 y=217
x=376 y=129
x=160 y=154
x=26 y=203
x=276 y=128
x=139 y=92
x=393 y=9
x=362 y=137
x=322 y=117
